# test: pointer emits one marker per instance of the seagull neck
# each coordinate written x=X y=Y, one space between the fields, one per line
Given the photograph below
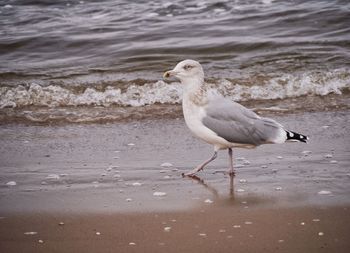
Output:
x=192 y=85
x=195 y=92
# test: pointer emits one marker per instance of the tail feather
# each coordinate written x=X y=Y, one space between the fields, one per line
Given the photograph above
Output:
x=292 y=136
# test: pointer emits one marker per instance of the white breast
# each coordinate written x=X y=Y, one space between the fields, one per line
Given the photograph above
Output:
x=193 y=116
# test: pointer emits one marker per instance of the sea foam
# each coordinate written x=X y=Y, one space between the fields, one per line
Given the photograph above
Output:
x=284 y=86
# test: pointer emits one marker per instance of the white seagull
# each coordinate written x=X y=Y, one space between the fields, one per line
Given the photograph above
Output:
x=220 y=121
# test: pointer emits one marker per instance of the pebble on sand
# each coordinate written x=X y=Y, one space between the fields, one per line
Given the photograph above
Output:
x=278 y=188
x=324 y=192
x=236 y=226
x=131 y=144
x=128 y=199
x=40 y=241
x=166 y=165
x=202 y=234
x=333 y=162
x=61 y=223
x=248 y=222
x=132 y=243
x=167 y=229
x=320 y=233
x=30 y=233
x=279 y=157
x=98 y=233
x=159 y=194
x=53 y=177
x=328 y=156
x=243 y=180
x=136 y=184
x=306 y=152
x=11 y=183
x=208 y=201
x=246 y=162
x=240 y=190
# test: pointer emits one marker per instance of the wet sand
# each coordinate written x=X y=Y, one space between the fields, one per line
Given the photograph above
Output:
x=102 y=178
x=209 y=229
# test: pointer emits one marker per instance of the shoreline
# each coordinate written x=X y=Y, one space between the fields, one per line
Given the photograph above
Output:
x=114 y=114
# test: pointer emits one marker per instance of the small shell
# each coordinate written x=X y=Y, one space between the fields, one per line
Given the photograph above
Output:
x=166 y=165
x=167 y=229
x=159 y=194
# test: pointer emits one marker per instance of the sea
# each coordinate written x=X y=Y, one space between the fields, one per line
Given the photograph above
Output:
x=92 y=61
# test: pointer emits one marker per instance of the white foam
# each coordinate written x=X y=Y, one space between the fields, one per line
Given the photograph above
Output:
x=285 y=86
x=53 y=96
x=290 y=85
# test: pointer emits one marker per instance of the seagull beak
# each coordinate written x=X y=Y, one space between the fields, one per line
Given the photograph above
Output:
x=169 y=73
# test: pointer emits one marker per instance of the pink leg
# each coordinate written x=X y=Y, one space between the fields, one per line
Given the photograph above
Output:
x=201 y=166
x=231 y=171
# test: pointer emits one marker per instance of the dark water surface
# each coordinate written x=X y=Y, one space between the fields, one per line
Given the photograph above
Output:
x=56 y=54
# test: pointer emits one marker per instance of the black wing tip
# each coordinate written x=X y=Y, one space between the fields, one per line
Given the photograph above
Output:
x=297 y=137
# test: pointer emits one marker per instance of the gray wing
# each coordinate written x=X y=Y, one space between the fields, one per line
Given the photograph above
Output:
x=237 y=124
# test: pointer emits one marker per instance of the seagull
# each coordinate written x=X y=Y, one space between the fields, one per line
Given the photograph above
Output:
x=221 y=122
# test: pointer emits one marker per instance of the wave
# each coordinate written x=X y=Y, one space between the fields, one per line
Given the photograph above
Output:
x=160 y=92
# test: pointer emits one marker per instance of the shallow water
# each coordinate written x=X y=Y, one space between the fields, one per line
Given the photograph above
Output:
x=54 y=166
x=113 y=53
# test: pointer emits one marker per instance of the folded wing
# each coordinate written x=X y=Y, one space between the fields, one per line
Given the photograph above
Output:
x=237 y=124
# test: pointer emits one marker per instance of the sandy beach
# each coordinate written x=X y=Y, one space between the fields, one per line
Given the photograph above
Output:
x=118 y=188
x=93 y=141
x=208 y=229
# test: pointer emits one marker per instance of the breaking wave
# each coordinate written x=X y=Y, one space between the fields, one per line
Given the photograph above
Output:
x=160 y=92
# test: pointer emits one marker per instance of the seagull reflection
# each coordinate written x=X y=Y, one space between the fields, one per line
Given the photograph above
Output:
x=211 y=188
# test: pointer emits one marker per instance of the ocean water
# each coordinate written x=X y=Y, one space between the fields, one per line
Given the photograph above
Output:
x=91 y=61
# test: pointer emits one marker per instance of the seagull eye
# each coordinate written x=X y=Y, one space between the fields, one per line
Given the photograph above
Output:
x=188 y=67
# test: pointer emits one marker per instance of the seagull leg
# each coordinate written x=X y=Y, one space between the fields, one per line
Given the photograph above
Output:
x=201 y=166
x=231 y=171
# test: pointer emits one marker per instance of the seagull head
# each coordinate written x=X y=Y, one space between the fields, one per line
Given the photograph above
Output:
x=186 y=70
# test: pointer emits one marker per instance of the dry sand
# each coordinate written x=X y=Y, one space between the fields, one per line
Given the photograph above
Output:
x=102 y=178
